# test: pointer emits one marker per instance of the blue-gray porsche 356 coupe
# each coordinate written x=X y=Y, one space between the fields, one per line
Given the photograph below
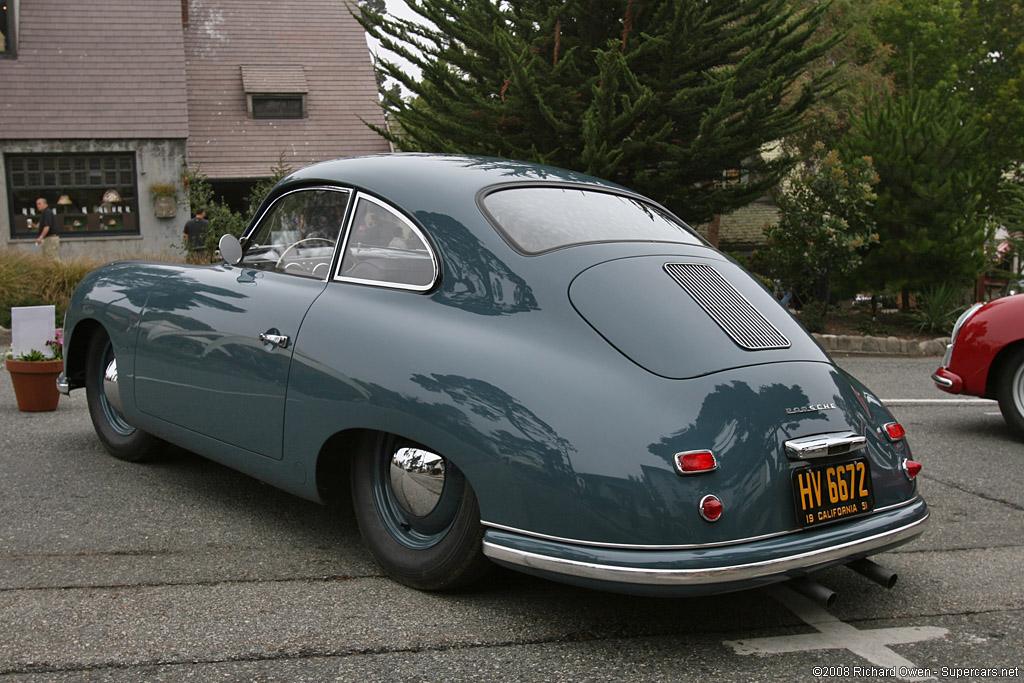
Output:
x=508 y=363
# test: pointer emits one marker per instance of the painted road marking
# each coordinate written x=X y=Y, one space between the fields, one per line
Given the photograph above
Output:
x=834 y=634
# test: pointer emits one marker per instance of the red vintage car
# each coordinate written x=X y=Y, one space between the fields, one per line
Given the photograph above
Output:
x=986 y=357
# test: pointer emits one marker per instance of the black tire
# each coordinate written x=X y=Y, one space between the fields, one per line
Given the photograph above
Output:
x=1011 y=391
x=440 y=549
x=123 y=440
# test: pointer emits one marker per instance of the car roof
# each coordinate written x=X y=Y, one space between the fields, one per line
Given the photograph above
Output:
x=406 y=177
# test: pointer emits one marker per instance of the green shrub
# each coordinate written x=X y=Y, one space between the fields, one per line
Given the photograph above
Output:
x=939 y=308
x=812 y=315
x=31 y=280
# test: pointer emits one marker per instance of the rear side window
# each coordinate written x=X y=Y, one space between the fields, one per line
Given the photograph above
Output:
x=384 y=248
x=539 y=219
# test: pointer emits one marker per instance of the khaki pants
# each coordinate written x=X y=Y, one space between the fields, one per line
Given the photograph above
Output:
x=51 y=247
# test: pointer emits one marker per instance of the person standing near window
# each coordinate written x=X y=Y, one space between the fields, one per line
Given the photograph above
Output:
x=47 y=224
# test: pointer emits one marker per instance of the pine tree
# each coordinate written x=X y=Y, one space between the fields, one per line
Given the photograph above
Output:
x=936 y=192
x=662 y=96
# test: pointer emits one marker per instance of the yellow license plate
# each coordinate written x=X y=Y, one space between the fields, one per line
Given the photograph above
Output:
x=829 y=493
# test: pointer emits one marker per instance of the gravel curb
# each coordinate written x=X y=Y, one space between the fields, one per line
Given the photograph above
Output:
x=882 y=346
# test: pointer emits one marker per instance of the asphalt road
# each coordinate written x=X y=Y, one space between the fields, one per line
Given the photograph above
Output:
x=184 y=570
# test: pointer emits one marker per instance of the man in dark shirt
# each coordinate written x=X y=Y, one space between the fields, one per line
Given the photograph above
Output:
x=195 y=231
x=47 y=224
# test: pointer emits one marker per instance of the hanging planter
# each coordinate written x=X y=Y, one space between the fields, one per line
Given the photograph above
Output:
x=35 y=383
x=164 y=199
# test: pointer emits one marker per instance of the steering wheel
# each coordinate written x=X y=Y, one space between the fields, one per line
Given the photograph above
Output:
x=284 y=253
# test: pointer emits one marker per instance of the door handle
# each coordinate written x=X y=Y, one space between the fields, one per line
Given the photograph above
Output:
x=275 y=339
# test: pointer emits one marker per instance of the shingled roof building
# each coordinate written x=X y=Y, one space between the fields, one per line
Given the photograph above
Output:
x=102 y=102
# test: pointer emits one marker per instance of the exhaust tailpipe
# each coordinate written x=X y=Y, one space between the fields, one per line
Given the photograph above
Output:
x=826 y=597
x=875 y=572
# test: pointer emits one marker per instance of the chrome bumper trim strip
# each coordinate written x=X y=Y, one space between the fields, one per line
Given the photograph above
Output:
x=63 y=386
x=678 y=546
x=671 y=577
x=942 y=381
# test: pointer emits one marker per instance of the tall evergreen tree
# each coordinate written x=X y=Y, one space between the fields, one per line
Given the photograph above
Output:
x=936 y=192
x=662 y=96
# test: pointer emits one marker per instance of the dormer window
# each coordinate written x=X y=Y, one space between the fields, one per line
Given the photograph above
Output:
x=275 y=91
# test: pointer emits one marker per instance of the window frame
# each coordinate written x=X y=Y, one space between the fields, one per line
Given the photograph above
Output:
x=129 y=192
x=10 y=49
x=335 y=257
x=253 y=98
x=409 y=223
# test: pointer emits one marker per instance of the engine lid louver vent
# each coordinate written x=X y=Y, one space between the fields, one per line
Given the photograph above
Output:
x=727 y=307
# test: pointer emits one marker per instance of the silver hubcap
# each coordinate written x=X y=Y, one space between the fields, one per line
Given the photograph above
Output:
x=417 y=480
x=110 y=389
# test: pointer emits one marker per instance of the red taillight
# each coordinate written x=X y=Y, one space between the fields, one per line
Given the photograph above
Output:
x=911 y=468
x=895 y=431
x=695 y=462
x=710 y=508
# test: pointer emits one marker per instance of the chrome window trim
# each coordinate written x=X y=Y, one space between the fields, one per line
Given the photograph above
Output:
x=682 y=546
x=701 y=575
x=255 y=224
x=434 y=262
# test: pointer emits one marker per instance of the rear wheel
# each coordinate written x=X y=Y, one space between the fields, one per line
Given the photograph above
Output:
x=417 y=514
x=123 y=440
x=1011 y=392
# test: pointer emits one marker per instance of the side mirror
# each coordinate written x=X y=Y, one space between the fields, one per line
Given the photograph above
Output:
x=230 y=249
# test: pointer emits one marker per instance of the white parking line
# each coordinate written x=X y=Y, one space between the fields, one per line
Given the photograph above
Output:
x=834 y=634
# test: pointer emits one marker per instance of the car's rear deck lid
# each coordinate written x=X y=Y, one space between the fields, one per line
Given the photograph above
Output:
x=683 y=317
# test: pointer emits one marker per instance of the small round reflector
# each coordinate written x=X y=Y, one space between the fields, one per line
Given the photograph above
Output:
x=911 y=468
x=710 y=508
x=895 y=431
x=694 y=462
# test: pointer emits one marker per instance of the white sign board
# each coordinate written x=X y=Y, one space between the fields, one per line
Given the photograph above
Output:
x=31 y=328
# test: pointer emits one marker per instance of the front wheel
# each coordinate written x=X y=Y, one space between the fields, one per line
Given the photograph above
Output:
x=1011 y=392
x=417 y=515
x=123 y=440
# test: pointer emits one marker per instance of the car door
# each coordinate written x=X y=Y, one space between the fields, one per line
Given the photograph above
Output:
x=215 y=343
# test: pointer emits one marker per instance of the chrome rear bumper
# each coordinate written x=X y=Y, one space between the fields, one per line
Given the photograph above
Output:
x=706 y=575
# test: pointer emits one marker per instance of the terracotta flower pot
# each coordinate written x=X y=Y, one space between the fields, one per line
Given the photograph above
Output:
x=35 y=383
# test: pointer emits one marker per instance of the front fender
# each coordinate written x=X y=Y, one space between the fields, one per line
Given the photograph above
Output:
x=109 y=299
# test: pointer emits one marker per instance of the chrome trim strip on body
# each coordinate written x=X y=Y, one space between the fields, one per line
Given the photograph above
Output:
x=682 y=546
x=942 y=381
x=824 y=445
x=704 y=575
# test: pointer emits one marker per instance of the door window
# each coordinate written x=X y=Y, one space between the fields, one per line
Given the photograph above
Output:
x=297 y=235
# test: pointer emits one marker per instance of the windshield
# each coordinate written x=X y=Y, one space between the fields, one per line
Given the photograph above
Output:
x=540 y=219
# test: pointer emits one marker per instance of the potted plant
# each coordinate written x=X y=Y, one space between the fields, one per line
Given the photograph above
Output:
x=34 y=376
x=164 y=199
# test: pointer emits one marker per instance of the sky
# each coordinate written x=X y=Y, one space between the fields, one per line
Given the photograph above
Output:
x=396 y=8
